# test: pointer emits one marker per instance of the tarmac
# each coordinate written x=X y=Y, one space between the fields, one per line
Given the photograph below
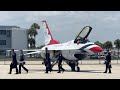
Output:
x=87 y=71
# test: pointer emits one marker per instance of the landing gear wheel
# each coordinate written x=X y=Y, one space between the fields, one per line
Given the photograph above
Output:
x=78 y=69
x=72 y=66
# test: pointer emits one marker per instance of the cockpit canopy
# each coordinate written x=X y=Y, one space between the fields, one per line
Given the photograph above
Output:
x=82 y=36
x=81 y=40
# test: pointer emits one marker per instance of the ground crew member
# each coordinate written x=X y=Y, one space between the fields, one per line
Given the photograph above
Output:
x=108 y=63
x=22 y=62
x=13 y=63
x=47 y=61
x=60 y=63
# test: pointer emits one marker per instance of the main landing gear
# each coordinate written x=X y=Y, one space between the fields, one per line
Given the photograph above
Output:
x=74 y=65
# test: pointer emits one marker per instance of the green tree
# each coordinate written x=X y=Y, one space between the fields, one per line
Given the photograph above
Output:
x=32 y=32
x=108 y=45
x=117 y=45
x=99 y=44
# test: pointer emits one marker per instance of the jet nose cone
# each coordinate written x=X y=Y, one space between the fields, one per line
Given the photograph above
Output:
x=96 y=49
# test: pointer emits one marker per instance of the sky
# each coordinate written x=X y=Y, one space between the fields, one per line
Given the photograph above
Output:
x=65 y=25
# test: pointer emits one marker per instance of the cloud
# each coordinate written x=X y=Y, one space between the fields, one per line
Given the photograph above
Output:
x=111 y=19
x=64 y=22
x=4 y=16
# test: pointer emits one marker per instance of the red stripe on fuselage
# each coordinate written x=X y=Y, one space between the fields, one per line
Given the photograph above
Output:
x=96 y=49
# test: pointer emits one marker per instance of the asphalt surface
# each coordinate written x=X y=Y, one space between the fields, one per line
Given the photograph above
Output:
x=88 y=71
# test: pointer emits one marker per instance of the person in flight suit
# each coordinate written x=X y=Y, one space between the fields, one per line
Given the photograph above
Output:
x=13 y=63
x=60 y=63
x=47 y=61
x=22 y=62
x=108 y=62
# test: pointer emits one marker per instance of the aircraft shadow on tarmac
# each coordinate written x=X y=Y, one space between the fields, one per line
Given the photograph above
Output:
x=86 y=71
x=92 y=71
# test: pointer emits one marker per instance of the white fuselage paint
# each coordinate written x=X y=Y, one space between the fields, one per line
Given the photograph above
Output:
x=68 y=49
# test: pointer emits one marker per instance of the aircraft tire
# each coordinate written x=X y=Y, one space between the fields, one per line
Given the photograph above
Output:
x=78 y=69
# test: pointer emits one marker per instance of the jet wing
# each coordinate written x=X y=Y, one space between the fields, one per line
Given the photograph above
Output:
x=36 y=52
x=65 y=46
x=26 y=50
x=32 y=51
x=52 y=47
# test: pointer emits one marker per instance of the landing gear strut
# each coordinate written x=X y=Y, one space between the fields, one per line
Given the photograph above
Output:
x=78 y=69
x=73 y=65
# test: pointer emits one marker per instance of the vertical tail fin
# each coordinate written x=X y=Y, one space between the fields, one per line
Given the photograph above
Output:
x=48 y=36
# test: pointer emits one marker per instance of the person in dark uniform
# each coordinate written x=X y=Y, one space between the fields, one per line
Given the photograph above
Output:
x=108 y=63
x=60 y=63
x=107 y=51
x=22 y=62
x=13 y=63
x=47 y=61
